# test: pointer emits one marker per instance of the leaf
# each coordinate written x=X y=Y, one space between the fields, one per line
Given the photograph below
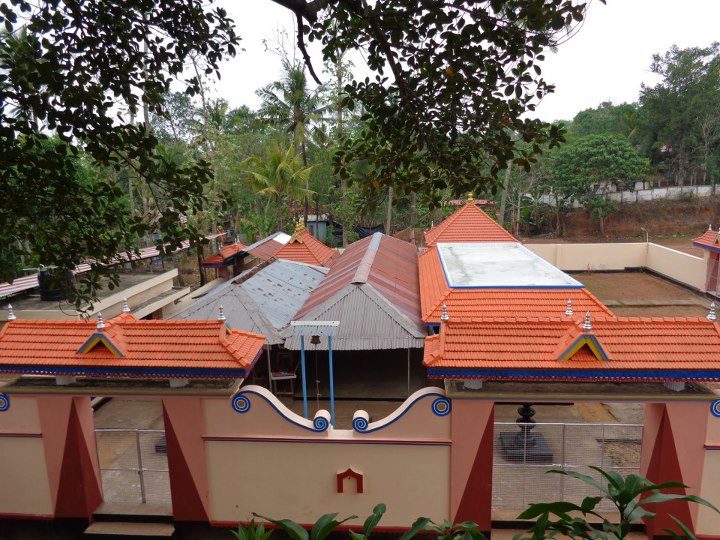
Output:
x=419 y=525
x=373 y=519
x=688 y=534
x=293 y=530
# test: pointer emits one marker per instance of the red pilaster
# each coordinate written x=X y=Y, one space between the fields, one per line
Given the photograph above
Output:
x=471 y=461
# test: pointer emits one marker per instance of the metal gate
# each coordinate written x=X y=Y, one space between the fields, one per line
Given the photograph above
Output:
x=523 y=453
x=133 y=465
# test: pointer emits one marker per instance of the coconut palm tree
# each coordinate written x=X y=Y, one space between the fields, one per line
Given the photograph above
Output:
x=279 y=174
x=289 y=102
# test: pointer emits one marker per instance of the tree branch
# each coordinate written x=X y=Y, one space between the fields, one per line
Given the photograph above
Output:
x=303 y=50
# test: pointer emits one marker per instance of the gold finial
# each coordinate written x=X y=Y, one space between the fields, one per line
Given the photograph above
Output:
x=300 y=227
x=470 y=198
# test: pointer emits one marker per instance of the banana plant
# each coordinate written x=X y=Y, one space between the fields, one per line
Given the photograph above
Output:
x=629 y=495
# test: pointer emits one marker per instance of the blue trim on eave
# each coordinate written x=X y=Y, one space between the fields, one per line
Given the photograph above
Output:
x=653 y=374
x=704 y=246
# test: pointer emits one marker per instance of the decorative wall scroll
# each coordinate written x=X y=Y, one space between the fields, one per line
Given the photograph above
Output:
x=4 y=402
x=353 y=475
x=715 y=408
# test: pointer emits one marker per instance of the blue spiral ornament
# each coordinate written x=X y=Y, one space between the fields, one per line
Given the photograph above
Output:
x=441 y=406
x=715 y=408
x=320 y=423
x=4 y=402
x=360 y=424
x=241 y=404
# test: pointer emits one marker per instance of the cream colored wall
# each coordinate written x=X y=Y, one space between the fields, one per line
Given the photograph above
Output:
x=584 y=257
x=676 y=265
x=298 y=480
x=708 y=521
x=22 y=461
x=21 y=417
x=22 y=464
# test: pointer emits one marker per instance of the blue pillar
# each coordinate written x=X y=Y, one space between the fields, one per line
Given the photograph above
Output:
x=304 y=384
x=332 y=383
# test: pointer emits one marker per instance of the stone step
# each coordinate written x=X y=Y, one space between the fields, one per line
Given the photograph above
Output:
x=129 y=529
x=142 y=513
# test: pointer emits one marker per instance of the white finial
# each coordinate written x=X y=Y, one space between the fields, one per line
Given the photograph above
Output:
x=712 y=316
x=101 y=323
x=444 y=316
x=586 y=325
x=569 y=309
x=126 y=306
x=11 y=313
x=709 y=226
x=221 y=315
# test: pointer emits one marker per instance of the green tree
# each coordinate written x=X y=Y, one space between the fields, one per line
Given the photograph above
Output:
x=681 y=130
x=279 y=174
x=66 y=68
x=606 y=119
x=451 y=82
x=586 y=167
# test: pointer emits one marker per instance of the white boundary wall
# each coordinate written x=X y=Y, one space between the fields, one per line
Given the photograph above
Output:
x=676 y=265
x=640 y=195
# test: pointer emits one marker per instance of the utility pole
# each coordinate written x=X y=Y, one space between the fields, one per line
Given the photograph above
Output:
x=388 y=221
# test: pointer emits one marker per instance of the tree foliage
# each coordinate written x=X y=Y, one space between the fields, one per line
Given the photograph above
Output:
x=66 y=70
x=453 y=81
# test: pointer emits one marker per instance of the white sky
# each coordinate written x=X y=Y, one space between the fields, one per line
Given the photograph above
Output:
x=606 y=61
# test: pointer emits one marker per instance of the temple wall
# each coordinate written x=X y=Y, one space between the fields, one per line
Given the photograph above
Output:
x=676 y=265
x=292 y=464
x=22 y=460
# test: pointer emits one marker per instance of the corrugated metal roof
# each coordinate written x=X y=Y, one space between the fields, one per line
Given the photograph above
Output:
x=373 y=290
x=262 y=301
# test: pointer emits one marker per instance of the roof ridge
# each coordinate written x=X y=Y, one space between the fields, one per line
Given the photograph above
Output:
x=362 y=271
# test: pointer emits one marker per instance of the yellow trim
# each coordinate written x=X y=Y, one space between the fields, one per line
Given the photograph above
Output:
x=579 y=344
x=93 y=342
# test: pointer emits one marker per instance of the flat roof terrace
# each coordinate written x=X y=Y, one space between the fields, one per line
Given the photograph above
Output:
x=643 y=294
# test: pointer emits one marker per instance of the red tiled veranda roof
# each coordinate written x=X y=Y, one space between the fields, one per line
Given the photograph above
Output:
x=493 y=302
x=710 y=240
x=614 y=348
x=305 y=248
x=128 y=347
x=468 y=224
x=219 y=258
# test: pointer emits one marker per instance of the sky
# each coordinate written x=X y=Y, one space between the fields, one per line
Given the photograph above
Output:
x=607 y=60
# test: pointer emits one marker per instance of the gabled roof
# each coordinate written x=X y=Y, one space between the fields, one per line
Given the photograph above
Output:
x=305 y=248
x=467 y=303
x=225 y=253
x=710 y=240
x=372 y=289
x=468 y=224
x=266 y=248
x=128 y=347
x=262 y=299
x=615 y=348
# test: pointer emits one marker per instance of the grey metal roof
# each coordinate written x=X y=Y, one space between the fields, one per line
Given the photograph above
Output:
x=262 y=301
x=373 y=290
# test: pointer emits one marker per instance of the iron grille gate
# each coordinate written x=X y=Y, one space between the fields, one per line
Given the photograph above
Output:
x=523 y=454
x=133 y=465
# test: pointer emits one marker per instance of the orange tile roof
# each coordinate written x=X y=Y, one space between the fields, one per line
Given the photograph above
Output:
x=709 y=240
x=468 y=224
x=647 y=348
x=305 y=248
x=225 y=253
x=128 y=347
x=500 y=302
